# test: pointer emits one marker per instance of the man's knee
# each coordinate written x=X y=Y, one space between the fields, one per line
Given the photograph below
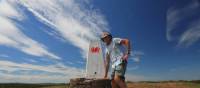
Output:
x=120 y=81
x=118 y=78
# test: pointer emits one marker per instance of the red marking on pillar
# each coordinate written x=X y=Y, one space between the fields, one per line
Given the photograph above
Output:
x=95 y=49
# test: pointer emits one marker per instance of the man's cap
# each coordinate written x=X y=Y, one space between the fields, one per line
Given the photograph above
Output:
x=105 y=34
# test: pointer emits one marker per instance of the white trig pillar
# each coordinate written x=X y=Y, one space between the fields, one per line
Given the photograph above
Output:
x=95 y=62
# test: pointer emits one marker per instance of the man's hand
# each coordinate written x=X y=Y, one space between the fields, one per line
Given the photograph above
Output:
x=106 y=77
x=126 y=42
x=125 y=57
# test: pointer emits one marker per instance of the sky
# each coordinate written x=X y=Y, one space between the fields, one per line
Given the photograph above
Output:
x=46 y=41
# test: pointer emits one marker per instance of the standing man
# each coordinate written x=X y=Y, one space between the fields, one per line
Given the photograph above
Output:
x=118 y=58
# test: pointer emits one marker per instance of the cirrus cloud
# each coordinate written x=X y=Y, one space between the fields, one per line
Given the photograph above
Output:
x=74 y=22
x=69 y=21
x=185 y=19
x=11 y=35
x=48 y=73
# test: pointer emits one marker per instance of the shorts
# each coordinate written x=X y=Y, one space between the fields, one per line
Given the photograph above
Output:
x=119 y=70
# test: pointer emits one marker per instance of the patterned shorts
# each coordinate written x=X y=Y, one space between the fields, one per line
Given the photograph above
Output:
x=119 y=70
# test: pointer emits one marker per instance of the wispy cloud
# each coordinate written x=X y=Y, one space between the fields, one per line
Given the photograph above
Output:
x=133 y=68
x=75 y=22
x=3 y=56
x=41 y=78
x=70 y=21
x=187 y=18
x=11 y=36
x=60 y=69
x=80 y=62
x=57 y=68
x=191 y=35
x=136 y=56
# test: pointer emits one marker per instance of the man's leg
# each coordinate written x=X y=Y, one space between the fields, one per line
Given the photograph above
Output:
x=120 y=82
x=119 y=76
x=114 y=84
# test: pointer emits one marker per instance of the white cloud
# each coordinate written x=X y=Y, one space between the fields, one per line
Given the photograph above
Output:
x=8 y=9
x=71 y=63
x=39 y=78
x=136 y=56
x=4 y=56
x=133 y=68
x=175 y=18
x=11 y=36
x=70 y=21
x=74 y=22
x=58 y=68
x=32 y=60
x=80 y=62
x=43 y=78
x=64 y=71
x=190 y=36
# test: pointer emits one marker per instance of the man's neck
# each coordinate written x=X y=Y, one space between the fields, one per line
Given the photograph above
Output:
x=109 y=43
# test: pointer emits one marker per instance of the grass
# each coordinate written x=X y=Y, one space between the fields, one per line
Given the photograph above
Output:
x=193 y=85
x=130 y=85
x=164 y=85
x=17 y=85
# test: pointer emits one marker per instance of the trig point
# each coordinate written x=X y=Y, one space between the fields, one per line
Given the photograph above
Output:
x=94 y=70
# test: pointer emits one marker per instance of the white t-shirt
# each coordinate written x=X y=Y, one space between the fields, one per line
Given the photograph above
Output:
x=114 y=51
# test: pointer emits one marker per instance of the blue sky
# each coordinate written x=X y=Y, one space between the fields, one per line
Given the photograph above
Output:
x=47 y=40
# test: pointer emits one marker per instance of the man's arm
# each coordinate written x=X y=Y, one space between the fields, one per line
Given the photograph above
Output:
x=107 y=64
x=126 y=43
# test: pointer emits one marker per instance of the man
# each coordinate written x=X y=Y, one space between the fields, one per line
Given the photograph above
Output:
x=118 y=58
